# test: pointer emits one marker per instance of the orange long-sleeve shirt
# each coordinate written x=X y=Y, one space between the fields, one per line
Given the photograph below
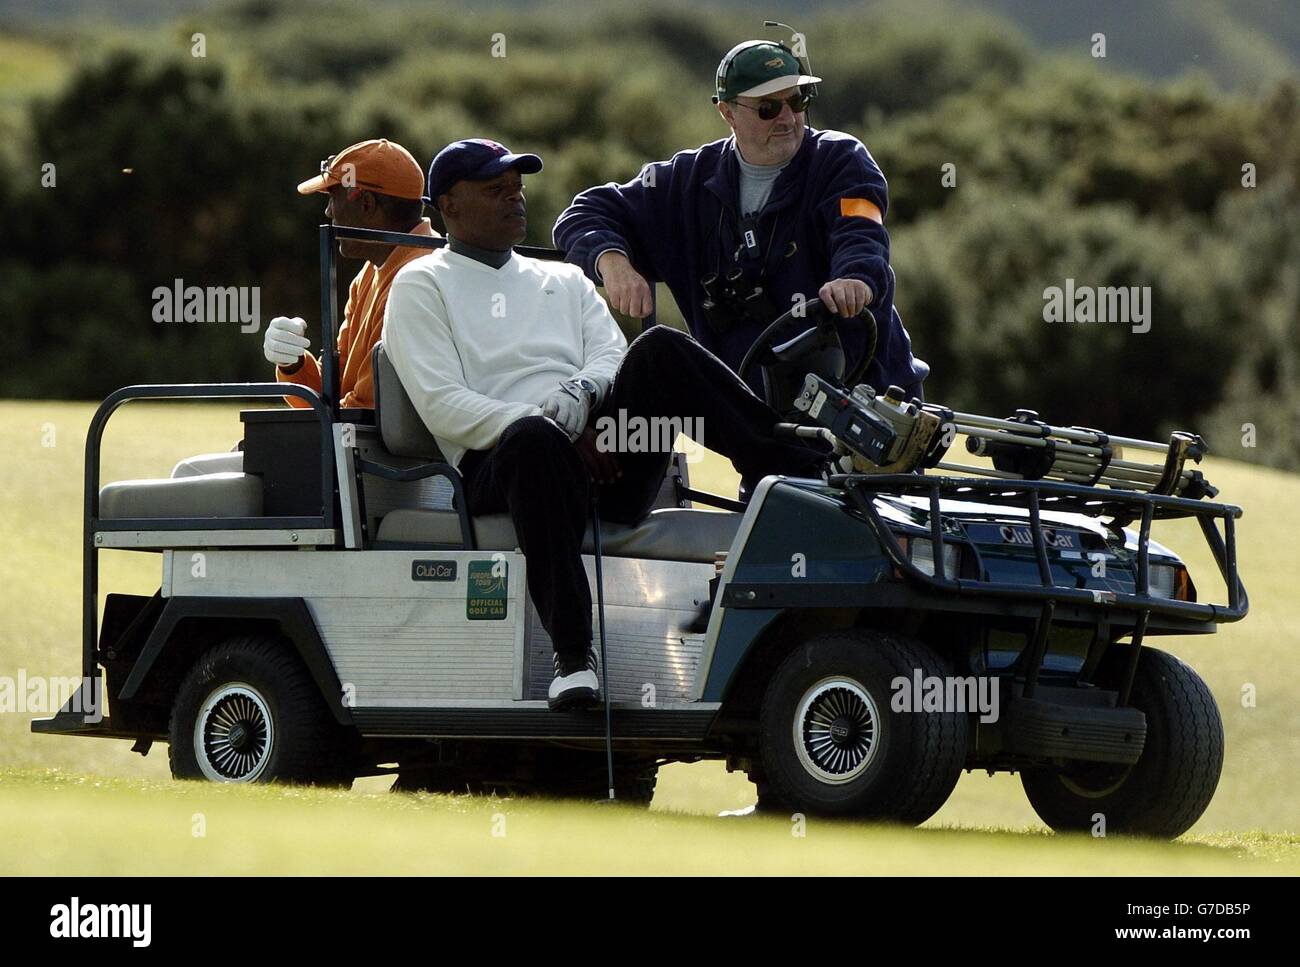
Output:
x=363 y=324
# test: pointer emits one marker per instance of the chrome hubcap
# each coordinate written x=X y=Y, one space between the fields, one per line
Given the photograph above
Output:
x=836 y=727
x=233 y=734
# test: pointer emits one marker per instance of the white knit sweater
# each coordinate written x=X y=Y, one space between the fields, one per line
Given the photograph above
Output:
x=478 y=348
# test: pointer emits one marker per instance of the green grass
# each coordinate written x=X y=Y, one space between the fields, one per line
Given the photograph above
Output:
x=99 y=808
x=110 y=826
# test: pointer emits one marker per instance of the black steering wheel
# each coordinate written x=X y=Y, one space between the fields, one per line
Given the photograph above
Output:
x=805 y=326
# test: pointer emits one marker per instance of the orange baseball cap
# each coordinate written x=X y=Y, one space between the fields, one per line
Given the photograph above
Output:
x=378 y=165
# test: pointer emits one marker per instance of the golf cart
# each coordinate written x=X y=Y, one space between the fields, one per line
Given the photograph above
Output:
x=331 y=610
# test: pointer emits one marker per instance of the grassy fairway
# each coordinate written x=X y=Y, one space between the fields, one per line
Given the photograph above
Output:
x=134 y=827
x=106 y=810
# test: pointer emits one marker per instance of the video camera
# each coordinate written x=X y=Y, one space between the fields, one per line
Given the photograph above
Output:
x=882 y=432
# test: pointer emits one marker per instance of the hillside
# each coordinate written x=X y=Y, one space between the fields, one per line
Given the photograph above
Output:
x=1241 y=44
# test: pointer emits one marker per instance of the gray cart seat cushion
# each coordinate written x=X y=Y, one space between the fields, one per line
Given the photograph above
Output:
x=232 y=461
x=207 y=495
x=401 y=427
x=670 y=534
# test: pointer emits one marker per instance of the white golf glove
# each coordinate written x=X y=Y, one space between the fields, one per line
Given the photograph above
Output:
x=570 y=405
x=286 y=340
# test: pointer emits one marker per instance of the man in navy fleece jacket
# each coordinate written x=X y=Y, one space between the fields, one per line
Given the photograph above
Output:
x=797 y=211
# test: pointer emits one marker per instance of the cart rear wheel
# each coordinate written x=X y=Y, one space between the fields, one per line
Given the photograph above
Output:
x=1170 y=786
x=574 y=774
x=832 y=744
x=447 y=780
x=552 y=772
x=249 y=712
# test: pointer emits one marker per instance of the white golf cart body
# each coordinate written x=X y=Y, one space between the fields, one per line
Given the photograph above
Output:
x=343 y=539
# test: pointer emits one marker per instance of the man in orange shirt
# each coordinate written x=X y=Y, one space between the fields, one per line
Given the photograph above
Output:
x=375 y=184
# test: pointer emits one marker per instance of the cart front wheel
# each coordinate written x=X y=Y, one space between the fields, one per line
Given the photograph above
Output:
x=832 y=743
x=1170 y=786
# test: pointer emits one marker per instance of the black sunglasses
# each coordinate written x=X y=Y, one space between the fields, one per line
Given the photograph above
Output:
x=769 y=108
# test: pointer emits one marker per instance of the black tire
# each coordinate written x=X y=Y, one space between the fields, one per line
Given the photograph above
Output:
x=634 y=785
x=573 y=774
x=551 y=773
x=430 y=780
x=1170 y=786
x=768 y=802
x=263 y=719
x=478 y=770
x=912 y=760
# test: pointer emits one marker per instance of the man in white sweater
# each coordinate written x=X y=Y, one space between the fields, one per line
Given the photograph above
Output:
x=510 y=359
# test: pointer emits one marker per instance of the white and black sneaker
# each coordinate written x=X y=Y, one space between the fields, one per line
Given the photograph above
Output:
x=575 y=684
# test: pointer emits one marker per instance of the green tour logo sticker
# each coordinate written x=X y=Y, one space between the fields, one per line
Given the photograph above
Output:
x=486 y=586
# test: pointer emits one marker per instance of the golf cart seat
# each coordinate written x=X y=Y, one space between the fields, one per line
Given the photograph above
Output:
x=669 y=533
x=231 y=461
x=206 y=495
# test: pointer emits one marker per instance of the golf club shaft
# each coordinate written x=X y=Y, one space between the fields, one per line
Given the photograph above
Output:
x=604 y=662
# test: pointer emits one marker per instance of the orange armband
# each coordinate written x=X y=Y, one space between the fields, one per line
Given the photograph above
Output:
x=860 y=208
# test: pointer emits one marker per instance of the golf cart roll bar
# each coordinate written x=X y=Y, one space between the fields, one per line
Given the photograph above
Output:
x=1061 y=497
x=95 y=529
x=329 y=289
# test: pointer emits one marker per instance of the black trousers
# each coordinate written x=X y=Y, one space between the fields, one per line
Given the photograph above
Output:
x=535 y=473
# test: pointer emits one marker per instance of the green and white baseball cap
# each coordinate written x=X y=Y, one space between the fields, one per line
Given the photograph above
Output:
x=759 y=67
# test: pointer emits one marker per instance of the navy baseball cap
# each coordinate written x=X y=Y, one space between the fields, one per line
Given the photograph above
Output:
x=475 y=159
